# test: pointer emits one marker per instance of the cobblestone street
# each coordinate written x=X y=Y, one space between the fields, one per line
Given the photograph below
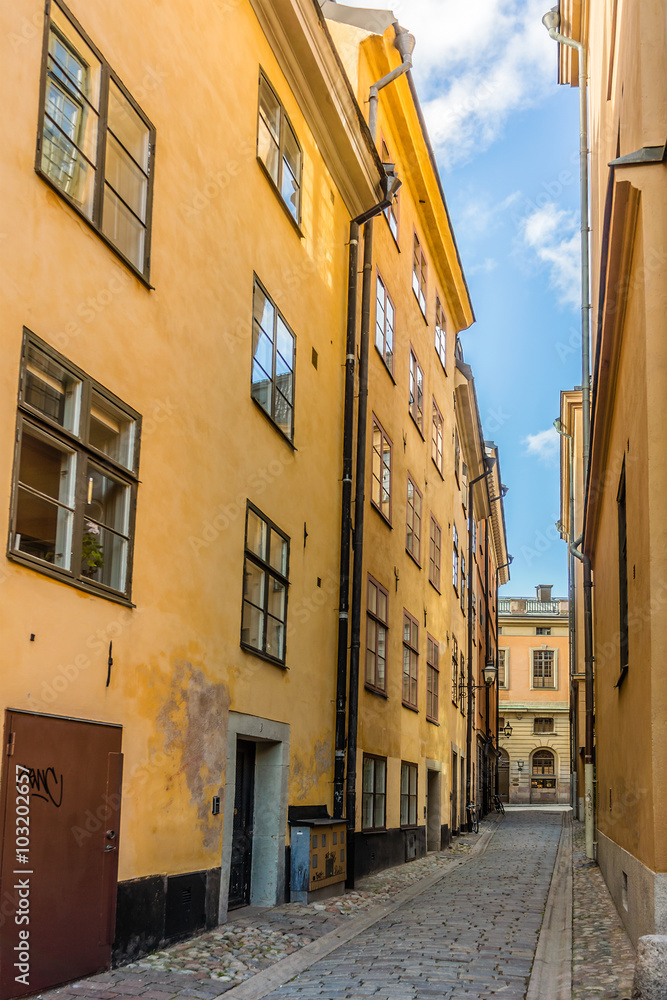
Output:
x=460 y=923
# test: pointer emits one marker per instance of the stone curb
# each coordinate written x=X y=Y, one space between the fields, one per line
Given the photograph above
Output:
x=551 y=975
x=270 y=979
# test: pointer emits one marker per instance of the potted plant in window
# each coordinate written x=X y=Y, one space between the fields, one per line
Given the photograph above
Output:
x=92 y=554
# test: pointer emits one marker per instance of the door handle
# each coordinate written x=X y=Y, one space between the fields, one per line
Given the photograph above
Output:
x=110 y=847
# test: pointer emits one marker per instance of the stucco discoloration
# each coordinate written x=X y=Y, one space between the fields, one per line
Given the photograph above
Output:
x=306 y=772
x=194 y=722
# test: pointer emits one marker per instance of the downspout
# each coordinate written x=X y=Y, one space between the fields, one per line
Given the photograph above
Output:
x=589 y=802
x=469 y=722
x=392 y=184
x=405 y=44
x=497 y=688
x=487 y=636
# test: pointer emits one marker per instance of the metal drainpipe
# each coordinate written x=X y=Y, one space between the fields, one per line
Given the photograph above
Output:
x=497 y=689
x=346 y=522
x=487 y=634
x=404 y=43
x=470 y=691
x=589 y=804
x=346 y=511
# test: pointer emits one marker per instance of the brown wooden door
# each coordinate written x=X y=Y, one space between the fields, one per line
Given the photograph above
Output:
x=60 y=802
x=455 y=793
x=503 y=766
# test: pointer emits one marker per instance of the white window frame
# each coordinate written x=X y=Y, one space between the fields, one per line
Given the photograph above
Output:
x=544 y=649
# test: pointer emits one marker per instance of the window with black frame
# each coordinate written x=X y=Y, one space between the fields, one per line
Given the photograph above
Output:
x=75 y=475
x=94 y=144
x=273 y=356
x=265 y=585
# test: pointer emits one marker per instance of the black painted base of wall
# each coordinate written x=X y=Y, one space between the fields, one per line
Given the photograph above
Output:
x=375 y=851
x=161 y=909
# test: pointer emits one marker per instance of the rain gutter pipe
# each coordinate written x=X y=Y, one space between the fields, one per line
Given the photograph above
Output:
x=346 y=513
x=589 y=804
x=404 y=42
x=571 y=613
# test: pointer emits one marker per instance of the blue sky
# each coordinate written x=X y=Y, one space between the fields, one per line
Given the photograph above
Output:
x=506 y=137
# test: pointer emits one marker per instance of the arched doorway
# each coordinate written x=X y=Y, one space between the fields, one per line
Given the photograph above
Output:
x=503 y=766
x=543 y=776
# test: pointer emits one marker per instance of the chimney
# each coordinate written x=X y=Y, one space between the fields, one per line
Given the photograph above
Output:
x=544 y=591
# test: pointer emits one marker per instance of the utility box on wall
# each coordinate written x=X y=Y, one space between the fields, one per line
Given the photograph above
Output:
x=318 y=855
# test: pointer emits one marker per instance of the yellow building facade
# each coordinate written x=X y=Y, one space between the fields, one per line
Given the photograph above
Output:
x=534 y=699
x=625 y=492
x=171 y=431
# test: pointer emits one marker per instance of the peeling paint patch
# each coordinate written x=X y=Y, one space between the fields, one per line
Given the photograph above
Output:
x=194 y=722
x=306 y=772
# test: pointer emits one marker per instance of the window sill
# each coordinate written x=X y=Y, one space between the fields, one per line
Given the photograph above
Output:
x=280 y=198
x=414 y=558
x=438 y=469
x=394 y=238
x=288 y=441
x=416 y=423
x=374 y=829
x=384 y=364
x=380 y=514
x=377 y=691
x=434 y=722
x=419 y=306
x=253 y=651
x=437 y=589
x=69 y=581
x=412 y=708
x=143 y=278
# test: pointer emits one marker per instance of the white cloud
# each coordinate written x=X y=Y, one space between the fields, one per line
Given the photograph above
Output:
x=545 y=445
x=484 y=267
x=474 y=64
x=552 y=235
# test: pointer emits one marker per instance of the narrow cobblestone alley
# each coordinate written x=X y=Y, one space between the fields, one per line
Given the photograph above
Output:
x=473 y=934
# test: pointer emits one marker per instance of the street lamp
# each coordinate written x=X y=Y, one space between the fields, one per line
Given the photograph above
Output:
x=489 y=672
x=507 y=731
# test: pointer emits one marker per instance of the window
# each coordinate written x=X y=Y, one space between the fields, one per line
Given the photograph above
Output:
x=473 y=613
x=265 y=582
x=457 y=453
x=436 y=438
x=413 y=519
x=419 y=274
x=95 y=145
x=381 y=471
x=472 y=528
x=624 y=644
x=440 y=334
x=543 y=668
x=391 y=213
x=408 y=794
x=75 y=476
x=543 y=725
x=464 y=486
x=410 y=658
x=542 y=631
x=272 y=379
x=374 y=792
x=432 y=678
x=503 y=672
x=376 y=636
x=455 y=671
x=501 y=723
x=434 y=554
x=416 y=391
x=455 y=558
x=278 y=148
x=463 y=584
x=384 y=324
x=543 y=762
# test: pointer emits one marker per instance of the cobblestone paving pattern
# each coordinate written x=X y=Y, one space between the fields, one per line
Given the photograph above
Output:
x=603 y=959
x=209 y=964
x=472 y=935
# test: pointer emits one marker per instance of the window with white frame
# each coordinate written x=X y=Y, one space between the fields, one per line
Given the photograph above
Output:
x=455 y=558
x=440 y=333
x=455 y=671
x=503 y=668
x=381 y=471
x=432 y=678
x=544 y=668
x=435 y=547
x=75 y=477
x=543 y=725
x=95 y=145
x=278 y=148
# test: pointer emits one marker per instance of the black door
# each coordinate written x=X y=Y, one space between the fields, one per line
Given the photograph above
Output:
x=244 y=789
